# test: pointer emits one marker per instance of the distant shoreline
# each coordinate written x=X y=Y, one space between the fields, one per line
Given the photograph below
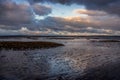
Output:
x=60 y=36
x=64 y=37
x=19 y=45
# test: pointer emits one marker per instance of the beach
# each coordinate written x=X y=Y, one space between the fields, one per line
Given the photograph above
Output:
x=78 y=59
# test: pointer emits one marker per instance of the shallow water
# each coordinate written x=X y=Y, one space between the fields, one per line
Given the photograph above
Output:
x=69 y=61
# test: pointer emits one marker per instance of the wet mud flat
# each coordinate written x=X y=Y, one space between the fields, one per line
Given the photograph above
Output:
x=105 y=72
x=18 y=45
x=76 y=60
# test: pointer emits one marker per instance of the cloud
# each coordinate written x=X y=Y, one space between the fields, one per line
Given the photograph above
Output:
x=83 y=31
x=70 y=25
x=58 y=23
x=41 y=10
x=20 y=17
x=76 y=23
x=110 y=6
x=12 y=13
x=94 y=25
x=22 y=31
x=90 y=12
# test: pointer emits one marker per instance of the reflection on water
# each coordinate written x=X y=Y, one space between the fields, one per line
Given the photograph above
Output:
x=76 y=56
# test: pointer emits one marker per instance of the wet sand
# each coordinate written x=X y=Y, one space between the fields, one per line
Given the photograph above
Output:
x=78 y=59
x=109 y=71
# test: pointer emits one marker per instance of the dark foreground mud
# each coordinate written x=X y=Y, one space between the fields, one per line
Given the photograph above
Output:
x=17 y=45
x=104 y=72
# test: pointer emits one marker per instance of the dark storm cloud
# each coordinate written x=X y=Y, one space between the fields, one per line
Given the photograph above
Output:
x=111 y=6
x=42 y=10
x=89 y=2
x=80 y=25
x=98 y=21
x=12 y=13
x=75 y=24
x=58 y=23
x=67 y=25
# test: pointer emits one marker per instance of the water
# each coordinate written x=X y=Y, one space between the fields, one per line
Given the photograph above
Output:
x=70 y=60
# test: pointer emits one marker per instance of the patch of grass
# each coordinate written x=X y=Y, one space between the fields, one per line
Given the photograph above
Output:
x=17 y=45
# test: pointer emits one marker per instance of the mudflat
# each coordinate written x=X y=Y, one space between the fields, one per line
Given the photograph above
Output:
x=18 y=45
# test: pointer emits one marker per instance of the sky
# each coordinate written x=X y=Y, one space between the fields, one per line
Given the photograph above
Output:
x=59 y=17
